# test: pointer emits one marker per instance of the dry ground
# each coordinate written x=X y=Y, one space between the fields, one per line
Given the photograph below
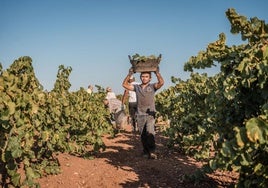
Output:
x=121 y=165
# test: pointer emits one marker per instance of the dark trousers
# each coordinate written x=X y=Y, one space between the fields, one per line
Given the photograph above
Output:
x=146 y=125
x=132 y=108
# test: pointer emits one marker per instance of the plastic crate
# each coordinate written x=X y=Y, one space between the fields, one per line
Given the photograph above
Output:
x=148 y=65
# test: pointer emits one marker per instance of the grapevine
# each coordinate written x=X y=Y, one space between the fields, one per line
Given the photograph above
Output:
x=36 y=125
x=223 y=119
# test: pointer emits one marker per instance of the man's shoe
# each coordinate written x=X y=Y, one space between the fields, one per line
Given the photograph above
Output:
x=145 y=154
x=152 y=156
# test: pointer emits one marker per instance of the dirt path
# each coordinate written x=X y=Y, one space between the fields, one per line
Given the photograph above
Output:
x=121 y=165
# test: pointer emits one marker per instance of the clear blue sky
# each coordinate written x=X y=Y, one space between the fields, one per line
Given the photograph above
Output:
x=95 y=37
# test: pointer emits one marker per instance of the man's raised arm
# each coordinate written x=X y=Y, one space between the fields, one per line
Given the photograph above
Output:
x=125 y=83
x=160 y=79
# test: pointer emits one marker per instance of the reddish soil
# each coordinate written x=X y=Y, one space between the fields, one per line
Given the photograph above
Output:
x=122 y=165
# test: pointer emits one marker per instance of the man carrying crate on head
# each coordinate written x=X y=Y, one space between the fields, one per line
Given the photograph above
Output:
x=146 y=106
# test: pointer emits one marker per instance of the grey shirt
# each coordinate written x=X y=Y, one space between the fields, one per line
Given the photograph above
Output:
x=145 y=99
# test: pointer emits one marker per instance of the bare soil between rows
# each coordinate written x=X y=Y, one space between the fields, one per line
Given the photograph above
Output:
x=122 y=165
